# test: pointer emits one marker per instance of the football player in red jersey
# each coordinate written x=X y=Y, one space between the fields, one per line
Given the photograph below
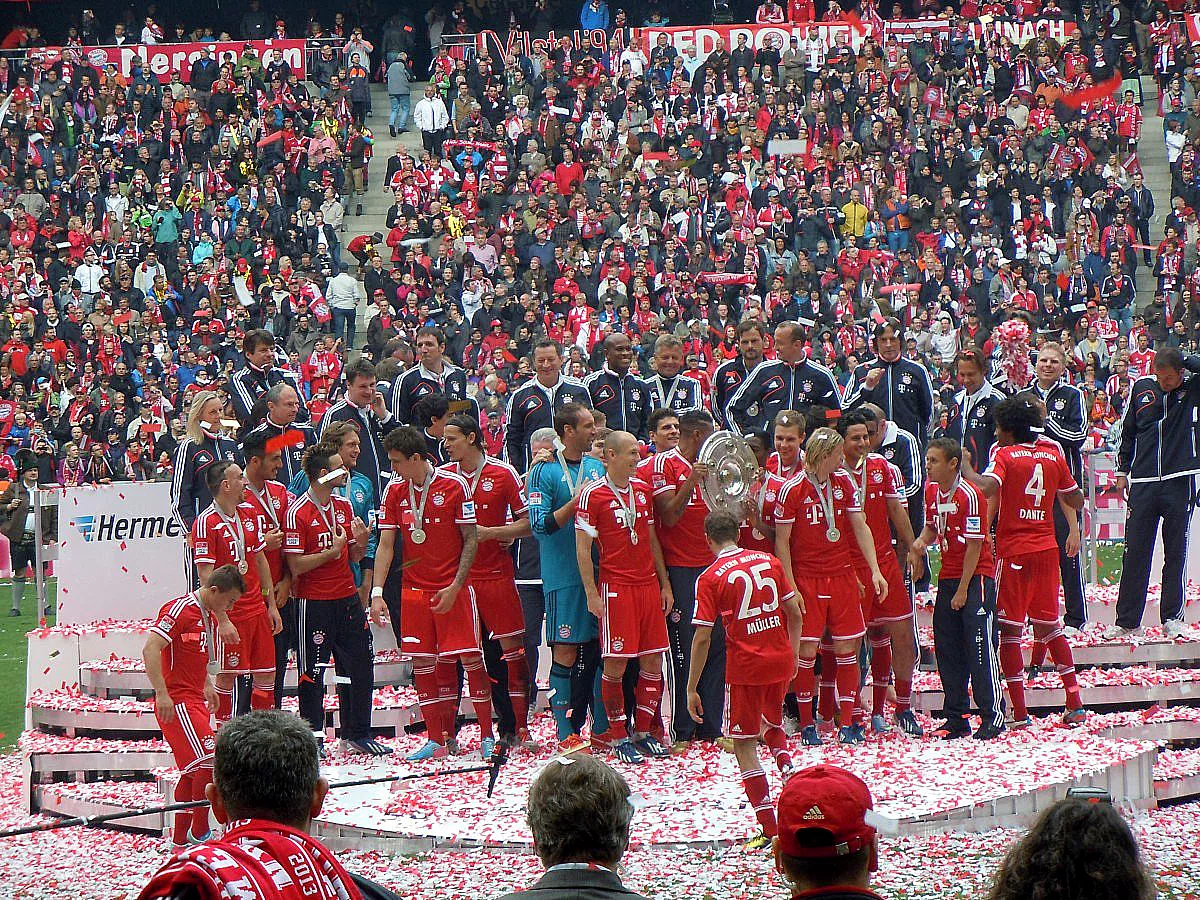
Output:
x=321 y=537
x=758 y=527
x=501 y=517
x=227 y=533
x=270 y=501
x=679 y=511
x=747 y=590
x=618 y=514
x=178 y=657
x=787 y=461
x=816 y=517
x=1028 y=474
x=965 y=613
x=432 y=511
x=880 y=492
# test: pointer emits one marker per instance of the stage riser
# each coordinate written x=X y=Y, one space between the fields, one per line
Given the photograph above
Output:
x=111 y=685
x=931 y=702
x=1103 y=613
x=1172 y=655
x=70 y=807
x=1177 y=790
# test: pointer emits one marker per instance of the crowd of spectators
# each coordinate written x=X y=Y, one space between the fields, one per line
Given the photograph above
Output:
x=948 y=181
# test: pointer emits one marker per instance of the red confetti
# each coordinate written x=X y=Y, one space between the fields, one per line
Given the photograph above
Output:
x=287 y=439
x=145 y=580
x=123 y=545
x=123 y=569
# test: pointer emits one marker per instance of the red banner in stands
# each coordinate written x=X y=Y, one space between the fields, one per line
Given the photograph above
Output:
x=164 y=59
x=1193 y=27
x=525 y=42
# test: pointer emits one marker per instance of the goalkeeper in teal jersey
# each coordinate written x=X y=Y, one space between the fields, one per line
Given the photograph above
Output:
x=554 y=482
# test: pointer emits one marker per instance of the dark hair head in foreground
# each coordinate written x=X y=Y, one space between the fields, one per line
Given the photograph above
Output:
x=1076 y=850
x=579 y=811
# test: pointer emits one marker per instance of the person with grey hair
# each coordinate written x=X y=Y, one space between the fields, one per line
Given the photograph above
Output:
x=275 y=413
x=266 y=789
x=579 y=812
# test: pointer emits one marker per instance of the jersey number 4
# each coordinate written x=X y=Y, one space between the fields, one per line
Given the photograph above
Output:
x=757 y=582
x=1036 y=486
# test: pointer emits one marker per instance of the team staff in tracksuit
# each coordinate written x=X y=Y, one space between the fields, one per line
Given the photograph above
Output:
x=532 y=405
x=1067 y=423
x=204 y=445
x=730 y=375
x=433 y=374
x=899 y=386
x=624 y=399
x=1158 y=460
x=964 y=614
x=258 y=376
x=275 y=414
x=792 y=381
x=971 y=415
x=669 y=387
x=364 y=405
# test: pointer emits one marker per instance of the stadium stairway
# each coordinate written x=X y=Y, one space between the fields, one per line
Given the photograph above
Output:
x=377 y=201
x=1152 y=154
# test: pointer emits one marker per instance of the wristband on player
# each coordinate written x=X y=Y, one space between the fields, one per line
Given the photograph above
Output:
x=376 y=592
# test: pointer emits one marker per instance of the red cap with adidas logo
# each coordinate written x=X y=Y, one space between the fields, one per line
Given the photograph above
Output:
x=823 y=811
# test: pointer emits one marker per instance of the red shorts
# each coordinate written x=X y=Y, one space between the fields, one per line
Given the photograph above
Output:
x=750 y=706
x=450 y=634
x=897 y=606
x=1027 y=587
x=255 y=652
x=190 y=735
x=831 y=603
x=633 y=623
x=499 y=607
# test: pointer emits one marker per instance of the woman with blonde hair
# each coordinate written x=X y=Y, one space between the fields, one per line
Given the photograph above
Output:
x=203 y=445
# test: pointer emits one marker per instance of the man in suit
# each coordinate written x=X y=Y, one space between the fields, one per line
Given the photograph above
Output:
x=579 y=812
x=16 y=510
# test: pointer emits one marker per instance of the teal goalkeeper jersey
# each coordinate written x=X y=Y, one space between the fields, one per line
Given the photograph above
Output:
x=548 y=490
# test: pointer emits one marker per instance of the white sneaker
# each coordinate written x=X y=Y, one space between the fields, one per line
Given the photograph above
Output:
x=1089 y=627
x=1071 y=631
x=1115 y=632
x=1174 y=628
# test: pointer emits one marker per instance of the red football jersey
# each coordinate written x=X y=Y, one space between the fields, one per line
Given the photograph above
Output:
x=1031 y=477
x=602 y=515
x=432 y=564
x=776 y=467
x=800 y=506
x=683 y=544
x=309 y=529
x=877 y=481
x=271 y=509
x=958 y=516
x=215 y=541
x=764 y=498
x=499 y=499
x=182 y=624
x=745 y=588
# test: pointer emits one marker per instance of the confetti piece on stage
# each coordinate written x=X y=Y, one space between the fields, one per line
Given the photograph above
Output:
x=145 y=580
x=285 y=440
x=123 y=545
x=1100 y=91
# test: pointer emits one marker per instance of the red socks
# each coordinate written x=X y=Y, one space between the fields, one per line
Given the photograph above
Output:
x=183 y=793
x=518 y=685
x=827 y=696
x=803 y=685
x=262 y=698
x=1012 y=664
x=847 y=685
x=758 y=792
x=201 y=778
x=649 y=696
x=224 y=705
x=480 y=687
x=1064 y=661
x=425 y=681
x=613 y=695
